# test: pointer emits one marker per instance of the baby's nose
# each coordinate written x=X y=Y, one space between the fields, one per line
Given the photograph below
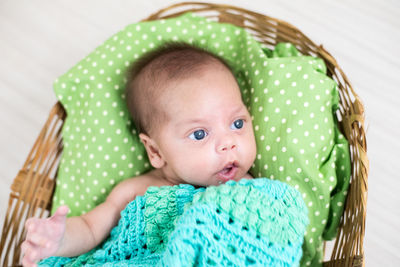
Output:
x=226 y=145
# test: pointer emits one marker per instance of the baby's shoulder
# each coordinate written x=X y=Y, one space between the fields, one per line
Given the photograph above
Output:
x=139 y=184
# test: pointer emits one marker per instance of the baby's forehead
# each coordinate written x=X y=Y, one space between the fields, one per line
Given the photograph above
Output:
x=206 y=95
x=168 y=85
x=161 y=83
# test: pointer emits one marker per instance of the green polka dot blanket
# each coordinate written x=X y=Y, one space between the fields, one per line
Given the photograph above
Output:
x=256 y=222
x=291 y=99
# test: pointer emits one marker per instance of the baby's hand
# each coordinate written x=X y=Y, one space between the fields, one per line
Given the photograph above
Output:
x=44 y=237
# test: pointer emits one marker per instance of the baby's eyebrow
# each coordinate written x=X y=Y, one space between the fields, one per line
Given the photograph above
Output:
x=238 y=109
x=202 y=120
x=191 y=121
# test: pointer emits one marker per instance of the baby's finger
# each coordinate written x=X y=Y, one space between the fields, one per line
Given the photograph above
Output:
x=30 y=256
x=37 y=240
x=27 y=263
x=61 y=214
x=30 y=224
x=24 y=246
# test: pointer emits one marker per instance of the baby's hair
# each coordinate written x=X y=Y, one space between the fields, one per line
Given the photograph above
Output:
x=149 y=75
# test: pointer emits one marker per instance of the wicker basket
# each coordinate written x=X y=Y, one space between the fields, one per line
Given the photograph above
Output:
x=32 y=189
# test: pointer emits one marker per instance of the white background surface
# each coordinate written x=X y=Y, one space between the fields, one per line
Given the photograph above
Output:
x=40 y=40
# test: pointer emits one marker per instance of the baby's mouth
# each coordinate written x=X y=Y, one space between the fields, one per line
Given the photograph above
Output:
x=228 y=172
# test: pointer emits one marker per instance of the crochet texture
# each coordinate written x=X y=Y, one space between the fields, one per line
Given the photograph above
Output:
x=257 y=222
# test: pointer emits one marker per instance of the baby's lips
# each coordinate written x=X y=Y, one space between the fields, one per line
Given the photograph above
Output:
x=230 y=164
x=228 y=173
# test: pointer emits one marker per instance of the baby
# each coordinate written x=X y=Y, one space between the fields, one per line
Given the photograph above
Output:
x=187 y=107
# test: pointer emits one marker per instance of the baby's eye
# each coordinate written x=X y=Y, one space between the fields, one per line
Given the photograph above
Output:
x=198 y=135
x=237 y=124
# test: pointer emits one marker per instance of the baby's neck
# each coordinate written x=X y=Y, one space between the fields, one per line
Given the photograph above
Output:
x=161 y=177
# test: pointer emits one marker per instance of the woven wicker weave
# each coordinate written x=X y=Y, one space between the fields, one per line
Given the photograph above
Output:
x=32 y=189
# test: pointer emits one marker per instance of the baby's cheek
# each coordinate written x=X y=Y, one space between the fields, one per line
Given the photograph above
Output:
x=251 y=140
x=201 y=162
x=250 y=148
x=198 y=162
x=253 y=149
x=192 y=160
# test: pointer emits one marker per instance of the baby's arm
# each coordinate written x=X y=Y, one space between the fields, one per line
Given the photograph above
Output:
x=58 y=236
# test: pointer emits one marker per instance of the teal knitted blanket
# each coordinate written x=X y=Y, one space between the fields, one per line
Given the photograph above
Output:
x=257 y=222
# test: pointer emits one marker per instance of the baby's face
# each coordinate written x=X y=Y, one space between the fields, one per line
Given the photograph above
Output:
x=208 y=138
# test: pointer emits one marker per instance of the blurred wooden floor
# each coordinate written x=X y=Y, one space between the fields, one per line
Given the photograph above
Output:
x=40 y=40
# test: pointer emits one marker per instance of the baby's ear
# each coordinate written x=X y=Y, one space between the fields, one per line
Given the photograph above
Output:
x=153 y=151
